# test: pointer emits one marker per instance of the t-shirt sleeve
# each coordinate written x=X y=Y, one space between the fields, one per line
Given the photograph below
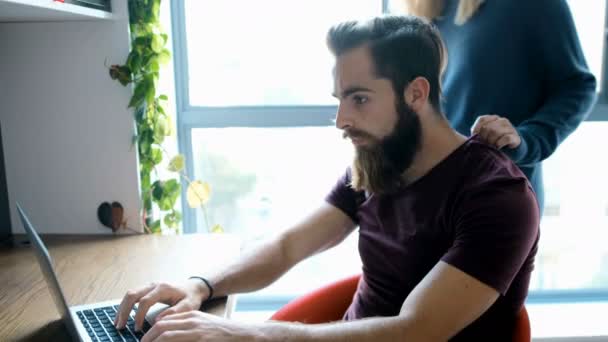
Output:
x=344 y=197
x=495 y=229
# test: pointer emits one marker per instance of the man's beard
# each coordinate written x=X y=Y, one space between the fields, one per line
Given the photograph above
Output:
x=378 y=168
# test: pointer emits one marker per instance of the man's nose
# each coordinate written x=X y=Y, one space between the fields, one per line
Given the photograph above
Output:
x=343 y=118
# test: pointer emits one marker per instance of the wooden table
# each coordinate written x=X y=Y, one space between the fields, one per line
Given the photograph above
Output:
x=100 y=268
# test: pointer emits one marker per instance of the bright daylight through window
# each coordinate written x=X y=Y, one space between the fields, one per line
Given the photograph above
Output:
x=268 y=173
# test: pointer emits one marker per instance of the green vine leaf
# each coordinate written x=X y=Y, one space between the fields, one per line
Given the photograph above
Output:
x=155 y=10
x=173 y=219
x=154 y=65
x=156 y=155
x=171 y=191
x=155 y=227
x=164 y=57
x=160 y=129
x=139 y=94
x=157 y=43
x=158 y=190
x=140 y=114
x=142 y=68
x=134 y=60
x=161 y=110
x=150 y=89
x=177 y=163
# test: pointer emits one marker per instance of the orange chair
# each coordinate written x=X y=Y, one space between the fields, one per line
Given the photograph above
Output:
x=329 y=303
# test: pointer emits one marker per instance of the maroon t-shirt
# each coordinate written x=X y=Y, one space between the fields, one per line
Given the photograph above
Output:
x=475 y=210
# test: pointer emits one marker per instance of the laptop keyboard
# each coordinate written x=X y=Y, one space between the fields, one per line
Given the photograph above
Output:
x=99 y=324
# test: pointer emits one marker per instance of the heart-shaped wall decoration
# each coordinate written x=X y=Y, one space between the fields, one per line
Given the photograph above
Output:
x=111 y=215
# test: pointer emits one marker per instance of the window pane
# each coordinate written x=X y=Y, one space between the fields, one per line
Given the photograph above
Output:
x=589 y=20
x=264 y=52
x=264 y=180
x=573 y=251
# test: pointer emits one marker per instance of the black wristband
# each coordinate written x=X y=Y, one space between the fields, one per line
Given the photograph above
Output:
x=208 y=286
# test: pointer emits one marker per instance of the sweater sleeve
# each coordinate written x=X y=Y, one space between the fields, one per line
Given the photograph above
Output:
x=569 y=87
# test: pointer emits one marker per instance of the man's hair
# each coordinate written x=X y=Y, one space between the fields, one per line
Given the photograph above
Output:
x=402 y=48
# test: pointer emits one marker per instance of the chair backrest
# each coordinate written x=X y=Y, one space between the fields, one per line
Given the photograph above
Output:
x=330 y=302
x=523 y=330
x=326 y=304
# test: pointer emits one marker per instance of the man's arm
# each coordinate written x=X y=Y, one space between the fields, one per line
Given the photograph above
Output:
x=325 y=228
x=462 y=300
x=460 y=297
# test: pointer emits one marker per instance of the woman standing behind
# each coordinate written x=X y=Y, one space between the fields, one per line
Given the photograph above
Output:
x=516 y=74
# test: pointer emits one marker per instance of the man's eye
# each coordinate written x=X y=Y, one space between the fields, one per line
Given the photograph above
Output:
x=359 y=99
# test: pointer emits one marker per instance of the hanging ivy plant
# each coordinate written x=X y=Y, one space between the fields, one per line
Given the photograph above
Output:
x=153 y=124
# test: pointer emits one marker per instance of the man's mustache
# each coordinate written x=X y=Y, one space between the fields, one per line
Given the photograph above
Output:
x=355 y=133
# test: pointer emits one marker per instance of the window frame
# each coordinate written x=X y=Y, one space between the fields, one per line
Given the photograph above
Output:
x=190 y=117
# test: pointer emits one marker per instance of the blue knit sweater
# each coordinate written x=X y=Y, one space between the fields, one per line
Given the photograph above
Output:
x=520 y=59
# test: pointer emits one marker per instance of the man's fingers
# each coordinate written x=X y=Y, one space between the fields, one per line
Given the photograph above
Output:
x=145 y=303
x=181 y=315
x=482 y=121
x=177 y=336
x=180 y=307
x=166 y=326
x=127 y=303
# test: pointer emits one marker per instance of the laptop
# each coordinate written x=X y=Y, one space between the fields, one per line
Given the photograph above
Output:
x=91 y=322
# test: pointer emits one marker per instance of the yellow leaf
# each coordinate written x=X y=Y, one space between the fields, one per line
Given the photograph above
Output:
x=177 y=163
x=217 y=229
x=198 y=193
x=171 y=129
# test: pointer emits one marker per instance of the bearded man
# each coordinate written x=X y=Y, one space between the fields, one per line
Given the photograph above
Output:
x=448 y=225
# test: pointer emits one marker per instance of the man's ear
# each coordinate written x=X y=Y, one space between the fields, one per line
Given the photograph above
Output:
x=416 y=93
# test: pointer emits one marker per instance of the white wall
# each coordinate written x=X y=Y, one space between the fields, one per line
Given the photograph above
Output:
x=66 y=129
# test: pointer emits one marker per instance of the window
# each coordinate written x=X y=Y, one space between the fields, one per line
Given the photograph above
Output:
x=589 y=22
x=266 y=180
x=572 y=251
x=572 y=260
x=254 y=120
x=265 y=53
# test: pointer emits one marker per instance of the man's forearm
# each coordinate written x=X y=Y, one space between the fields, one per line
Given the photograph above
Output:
x=253 y=271
x=324 y=228
x=371 y=329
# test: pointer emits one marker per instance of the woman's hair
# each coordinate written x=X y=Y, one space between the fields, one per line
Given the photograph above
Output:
x=432 y=9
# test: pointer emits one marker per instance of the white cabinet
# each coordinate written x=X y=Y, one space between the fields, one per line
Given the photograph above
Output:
x=47 y=10
x=66 y=128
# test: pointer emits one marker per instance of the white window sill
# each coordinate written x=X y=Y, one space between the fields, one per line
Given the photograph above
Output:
x=558 y=322
x=585 y=321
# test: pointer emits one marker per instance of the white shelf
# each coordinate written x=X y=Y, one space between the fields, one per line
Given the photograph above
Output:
x=47 y=10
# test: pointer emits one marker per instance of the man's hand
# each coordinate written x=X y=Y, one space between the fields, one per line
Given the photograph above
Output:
x=198 y=326
x=496 y=131
x=181 y=298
